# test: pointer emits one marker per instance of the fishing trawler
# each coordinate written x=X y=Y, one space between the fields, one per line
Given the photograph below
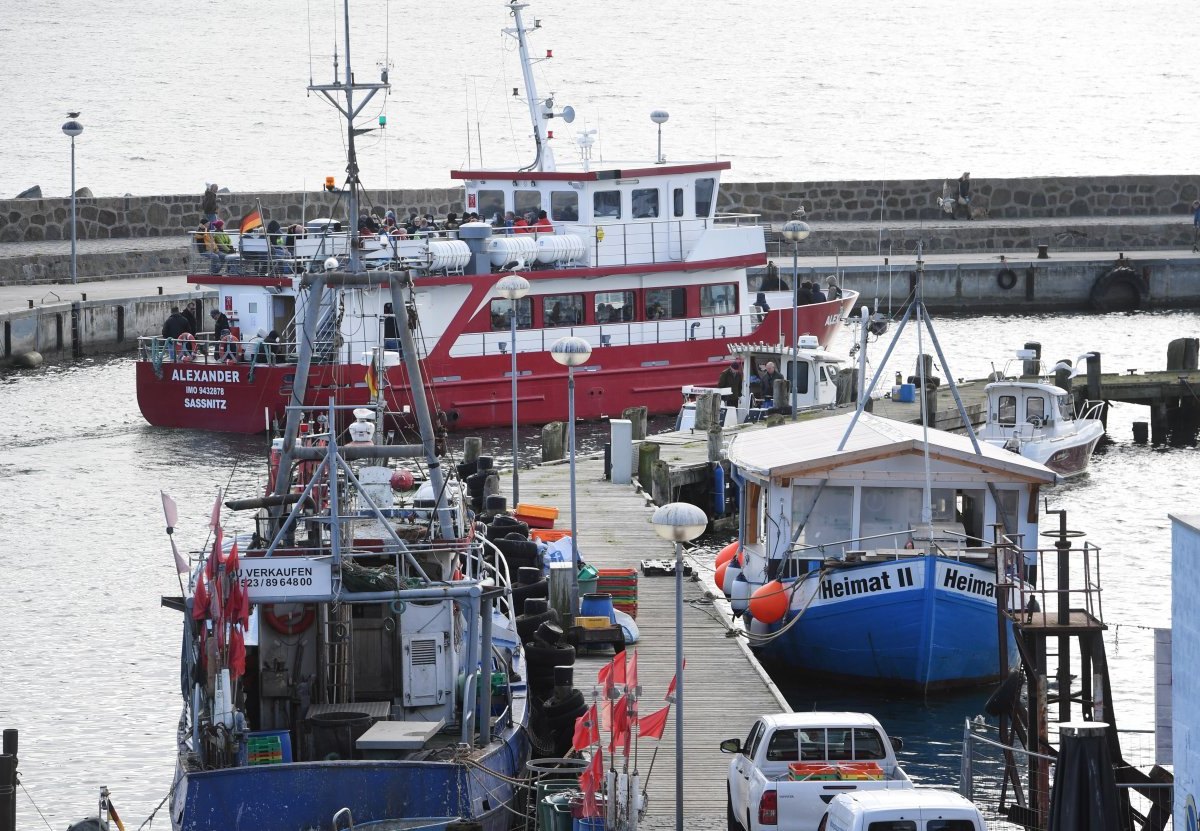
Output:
x=633 y=257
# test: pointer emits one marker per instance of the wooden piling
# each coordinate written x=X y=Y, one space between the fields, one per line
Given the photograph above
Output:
x=1159 y=423
x=660 y=478
x=639 y=416
x=1182 y=354
x=782 y=392
x=8 y=782
x=472 y=448
x=847 y=385
x=1095 y=391
x=1141 y=432
x=647 y=458
x=554 y=441
x=1062 y=375
x=1031 y=367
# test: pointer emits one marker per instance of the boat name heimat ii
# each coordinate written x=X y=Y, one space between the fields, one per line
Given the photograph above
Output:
x=965 y=580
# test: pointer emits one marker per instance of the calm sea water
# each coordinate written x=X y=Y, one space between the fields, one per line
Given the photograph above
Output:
x=176 y=95
x=89 y=660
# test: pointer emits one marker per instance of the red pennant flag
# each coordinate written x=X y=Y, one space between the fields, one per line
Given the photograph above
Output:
x=181 y=564
x=618 y=662
x=653 y=725
x=587 y=730
x=606 y=715
x=237 y=653
x=671 y=686
x=590 y=781
x=231 y=562
x=210 y=565
x=243 y=612
x=604 y=676
x=214 y=520
x=631 y=674
x=620 y=726
x=234 y=603
x=200 y=599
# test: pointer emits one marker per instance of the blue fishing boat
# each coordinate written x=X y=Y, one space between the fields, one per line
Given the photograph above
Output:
x=883 y=551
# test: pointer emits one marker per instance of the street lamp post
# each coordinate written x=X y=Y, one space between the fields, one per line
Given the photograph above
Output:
x=679 y=522
x=513 y=287
x=660 y=117
x=73 y=128
x=572 y=352
x=795 y=232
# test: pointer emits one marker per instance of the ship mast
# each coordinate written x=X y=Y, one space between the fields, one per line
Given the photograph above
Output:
x=350 y=111
x=539 y=112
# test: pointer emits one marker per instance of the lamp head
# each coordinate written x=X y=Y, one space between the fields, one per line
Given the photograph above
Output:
x=571 y=351
x=512 y=286
x=679 y=521
x=796 y=231
x=72 y=128
x=659 y=116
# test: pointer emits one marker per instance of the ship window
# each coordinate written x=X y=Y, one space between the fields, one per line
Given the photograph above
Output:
x=663 y=304
x=783 y=747
x=893 y=512
x=718 y=300
x=252 y=308
x=704 y=196
x=562 y=309
x=606 y=204
x=527 y=202
x=491 y=205
x=677 y=202
x=564 y=206
x=645 y=203
x=799 y=377
x=500 y=310
x=829 y=523
x=1065 y=411
x=867 y=744
x=1035 y=407
x=614 y=306
x=1008 y=410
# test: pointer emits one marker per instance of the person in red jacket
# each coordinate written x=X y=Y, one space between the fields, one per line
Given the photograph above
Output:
x=543 y=223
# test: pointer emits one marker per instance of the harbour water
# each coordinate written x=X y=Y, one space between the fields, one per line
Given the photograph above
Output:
x=89 y=660
x=215 y=91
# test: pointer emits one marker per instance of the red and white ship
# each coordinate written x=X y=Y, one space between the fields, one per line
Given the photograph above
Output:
x=637 y=261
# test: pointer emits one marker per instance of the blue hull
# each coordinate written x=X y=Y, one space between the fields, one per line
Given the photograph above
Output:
x=305 y=795
x=930 y=634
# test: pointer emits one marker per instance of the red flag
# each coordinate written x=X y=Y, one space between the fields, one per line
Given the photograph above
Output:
x=618 y=663
x=236 y=601
x=587 y=730
x=214 y=520
x=231 y=562
x=243 y=612
x=200 y=598
x=181 y=564
x=671 y=686
x=237 y=653
x=590 y=781
x=620 y=725
x=631 y=674
x=606 y=714
x=604 y=677
x=652 y=726
x=210 y=565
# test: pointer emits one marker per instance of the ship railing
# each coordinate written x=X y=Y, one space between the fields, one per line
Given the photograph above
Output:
x=207 y=350
x=910 y=542
x=653 y=241
x=1052 y=582
x=603 y=335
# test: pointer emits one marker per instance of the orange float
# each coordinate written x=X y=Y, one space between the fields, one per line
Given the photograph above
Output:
x=769 y=603
x=726 y=554
x=720 y=575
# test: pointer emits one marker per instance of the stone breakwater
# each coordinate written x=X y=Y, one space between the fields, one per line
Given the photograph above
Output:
x=131 y=217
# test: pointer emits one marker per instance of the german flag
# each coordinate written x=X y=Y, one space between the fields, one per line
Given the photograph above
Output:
x=250 y=221
x=372 y=384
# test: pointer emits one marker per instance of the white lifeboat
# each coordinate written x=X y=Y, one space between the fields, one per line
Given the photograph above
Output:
x=516 y=251
x=559 y=248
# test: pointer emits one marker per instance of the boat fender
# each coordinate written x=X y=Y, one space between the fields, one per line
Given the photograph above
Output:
x=187 y=347
x=1006 y=279
x=290 y=624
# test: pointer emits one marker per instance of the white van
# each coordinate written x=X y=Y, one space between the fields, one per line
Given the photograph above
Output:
x=917 y=809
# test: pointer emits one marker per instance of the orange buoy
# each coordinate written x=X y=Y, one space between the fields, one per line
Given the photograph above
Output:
x=769 y=603
x=727 y=553
x=720 y=575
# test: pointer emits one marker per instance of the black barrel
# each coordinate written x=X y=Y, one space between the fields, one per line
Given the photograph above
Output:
x=334 y=734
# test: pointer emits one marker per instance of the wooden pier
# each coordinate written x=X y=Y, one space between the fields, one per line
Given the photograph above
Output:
x=725 y=688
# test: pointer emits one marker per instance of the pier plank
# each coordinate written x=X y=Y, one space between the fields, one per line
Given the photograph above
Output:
x=724 y=689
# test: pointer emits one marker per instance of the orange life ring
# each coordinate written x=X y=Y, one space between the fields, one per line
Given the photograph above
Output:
x=187 y=346
x=290 y=624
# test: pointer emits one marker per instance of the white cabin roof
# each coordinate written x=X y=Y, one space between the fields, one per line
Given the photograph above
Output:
x=806 y=448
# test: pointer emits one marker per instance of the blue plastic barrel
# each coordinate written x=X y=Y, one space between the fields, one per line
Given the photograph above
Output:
x=908 y=393
x=597 y=604
x=587 y=824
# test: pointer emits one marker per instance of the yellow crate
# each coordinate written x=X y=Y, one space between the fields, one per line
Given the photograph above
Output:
x=593 y=622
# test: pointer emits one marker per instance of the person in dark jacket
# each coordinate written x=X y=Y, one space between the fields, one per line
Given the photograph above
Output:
x=731 y=377
x=818 y=296
x=964 y=193
x=804 y=294
x=220 y=322
x=175 y=326
x=208 y=203
x=189 y=312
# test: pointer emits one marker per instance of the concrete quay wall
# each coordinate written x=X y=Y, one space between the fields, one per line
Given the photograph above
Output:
x=131 y=217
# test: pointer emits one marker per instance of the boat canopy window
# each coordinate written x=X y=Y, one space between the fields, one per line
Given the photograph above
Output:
x=606 y=204
x=564 y=206
x=500 y=312
x=797 y=375
x=614 y=306
x=718 y=300
x=662 y=304
x=829 y=523
x=526 y=201
x=894 y=511
x=491 y=205
x=1035 y=408
x=644 y=203
x=705 y=188
x=1007 y=413
x=562 y=309
x=1066 y=412
x=677 y=202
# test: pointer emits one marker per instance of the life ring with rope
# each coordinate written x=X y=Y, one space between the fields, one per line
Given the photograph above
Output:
x=1006 y=278
x=228 y=348
x=291 y=623
x=186 y=343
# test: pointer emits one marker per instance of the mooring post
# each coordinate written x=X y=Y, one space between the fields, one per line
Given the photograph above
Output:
x=8 y=782
x=647 y=459
x=1031 y=367
x=1094 y=390
x=1062 y=375
x=553 y=441
x=472 y=447
x=639 y=417
x=1159 y=422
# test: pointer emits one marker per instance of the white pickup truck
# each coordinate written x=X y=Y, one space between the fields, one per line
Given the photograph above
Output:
x=918 y=809
x=793 y=764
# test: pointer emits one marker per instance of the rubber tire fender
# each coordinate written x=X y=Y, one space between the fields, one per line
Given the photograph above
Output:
x=1006 y=278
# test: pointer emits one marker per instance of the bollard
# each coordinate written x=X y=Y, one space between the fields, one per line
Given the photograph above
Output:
x=1043 y=252
x=781 y=393
x=1141 y=432
x=1062 y=375
x=553 y=441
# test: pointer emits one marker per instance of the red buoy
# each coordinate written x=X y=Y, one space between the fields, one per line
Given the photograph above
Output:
x=402 y=479
x=769 y=603
x=726 y=554
x=719 y=577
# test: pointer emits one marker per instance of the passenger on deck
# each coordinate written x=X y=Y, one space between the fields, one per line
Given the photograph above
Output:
x=731 y=377
x=833 y=290
x=193 y=323
x=174 y=326
x=220 y=322
x=804 y=294
x=818 y=296
x=543 y=223
x=451 y=223
x=521 y=226
x=768 y=376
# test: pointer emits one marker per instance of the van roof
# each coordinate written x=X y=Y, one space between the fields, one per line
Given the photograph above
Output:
x=819 y=718
x=926 y=799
